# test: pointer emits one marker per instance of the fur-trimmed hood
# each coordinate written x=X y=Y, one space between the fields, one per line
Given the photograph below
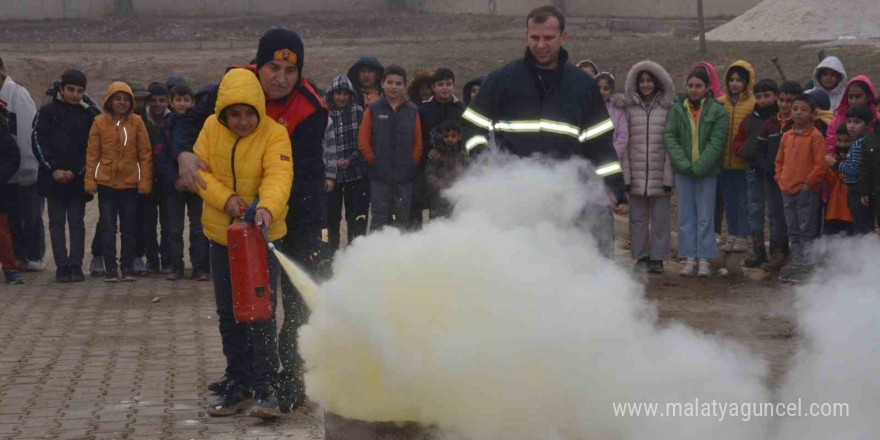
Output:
x=630 y=95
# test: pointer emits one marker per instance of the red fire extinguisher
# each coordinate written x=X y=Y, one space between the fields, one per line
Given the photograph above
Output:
x=249 y=270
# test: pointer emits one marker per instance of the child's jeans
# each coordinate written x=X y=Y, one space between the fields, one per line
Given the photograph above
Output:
x=117 y=204
x=180 y=205
x=734 y=196
x=863 y=216
x=802 y=216
x=64 y=211
x=776 y=212
x=696 y=216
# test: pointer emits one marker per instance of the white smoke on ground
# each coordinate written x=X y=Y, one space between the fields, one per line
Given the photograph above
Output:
x=838 y=361
x=505 y=322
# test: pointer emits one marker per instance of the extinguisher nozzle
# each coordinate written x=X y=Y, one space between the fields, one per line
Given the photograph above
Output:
x=265 y=232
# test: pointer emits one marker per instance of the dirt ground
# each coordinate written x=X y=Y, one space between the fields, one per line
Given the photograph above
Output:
x=757 y=314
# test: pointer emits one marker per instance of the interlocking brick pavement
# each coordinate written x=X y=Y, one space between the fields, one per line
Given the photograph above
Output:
x=102 y=361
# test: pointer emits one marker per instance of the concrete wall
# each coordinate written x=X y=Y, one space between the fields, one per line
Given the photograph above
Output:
x=591 y=8
x=56 y=9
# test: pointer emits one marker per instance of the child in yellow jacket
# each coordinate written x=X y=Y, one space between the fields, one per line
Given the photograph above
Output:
x=249 y=156
x=119 y=165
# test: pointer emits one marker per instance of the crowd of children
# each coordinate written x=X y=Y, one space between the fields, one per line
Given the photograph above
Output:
x=748 y=150
x=805 y=163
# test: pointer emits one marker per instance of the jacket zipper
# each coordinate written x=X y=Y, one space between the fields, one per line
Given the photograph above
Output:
x=648 y=144
x=234 y=180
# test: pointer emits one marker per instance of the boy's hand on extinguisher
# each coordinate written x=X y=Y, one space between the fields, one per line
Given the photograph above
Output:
x=263 y=217
x=235 y=207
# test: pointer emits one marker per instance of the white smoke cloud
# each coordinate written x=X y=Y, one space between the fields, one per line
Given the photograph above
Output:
x=505 y=322
x=838 y=360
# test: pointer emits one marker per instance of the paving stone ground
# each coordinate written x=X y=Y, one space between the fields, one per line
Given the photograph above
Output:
x=96 y=361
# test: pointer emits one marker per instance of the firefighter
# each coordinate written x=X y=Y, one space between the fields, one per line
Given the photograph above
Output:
x=541 y=104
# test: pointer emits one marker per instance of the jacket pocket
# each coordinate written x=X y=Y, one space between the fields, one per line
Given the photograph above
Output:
x=104 y=172
x=131 y=173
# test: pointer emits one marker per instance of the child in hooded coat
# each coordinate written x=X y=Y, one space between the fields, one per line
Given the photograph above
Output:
x=647 y=169
x=247 y=160
x=119 y=166
x=830 y=76
x=739 y=103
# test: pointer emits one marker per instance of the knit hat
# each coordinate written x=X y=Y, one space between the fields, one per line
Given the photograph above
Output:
x=174 y=81
x=820 y=98
x=138 y=89
x=73 y=77
x=157 y=89
x=280 y=45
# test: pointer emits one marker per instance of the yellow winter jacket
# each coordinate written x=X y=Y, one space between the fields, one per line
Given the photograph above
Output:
x=258 y=164
x=735 y=115
x=119 y=154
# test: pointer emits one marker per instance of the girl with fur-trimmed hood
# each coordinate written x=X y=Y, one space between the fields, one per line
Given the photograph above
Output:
x=647 y=171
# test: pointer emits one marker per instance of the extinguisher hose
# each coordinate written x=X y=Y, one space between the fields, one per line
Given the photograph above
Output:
x=250 y=215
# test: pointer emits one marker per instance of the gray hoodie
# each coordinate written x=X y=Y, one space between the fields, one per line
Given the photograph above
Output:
x=835 y=94
x=22 y=110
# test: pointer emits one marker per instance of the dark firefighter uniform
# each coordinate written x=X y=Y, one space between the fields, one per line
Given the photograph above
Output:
x=558 y=113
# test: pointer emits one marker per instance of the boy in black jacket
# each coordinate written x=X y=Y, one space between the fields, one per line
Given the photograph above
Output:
x=745 y=145
x=60 y=139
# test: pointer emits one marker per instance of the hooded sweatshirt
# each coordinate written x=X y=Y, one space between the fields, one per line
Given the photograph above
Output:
x=346 y=122
x=258 y=164
x=836 y=94
x=736 y=112
x=840 y=113
x=714 y=83
x=469 y=87
x=119 y=155
x=21 y=109
x=355 y=81
x=584 y=63
x=801 y=161
x=647 y=169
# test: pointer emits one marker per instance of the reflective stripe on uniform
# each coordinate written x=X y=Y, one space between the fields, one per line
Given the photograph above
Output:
x=475 y=142
x=538 y=126
x=597 y=130
x=607 y=170
x=477 y=119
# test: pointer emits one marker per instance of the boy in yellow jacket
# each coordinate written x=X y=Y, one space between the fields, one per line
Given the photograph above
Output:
x=248 y=155
x=119 y=165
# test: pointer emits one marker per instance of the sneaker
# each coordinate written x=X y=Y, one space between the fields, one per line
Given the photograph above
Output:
x=128 y=276
x=266 y=405
x=35 y=266
x=111 y=277
x=138 y=267
x=687 y=269
x=219 y=386
x=234 y=399
x=656 y=267
x=96 y=269
x=704 y=270
x=740 y=245
x=76 y=274
x=202 y=276
x=641 y=265
x=14 y=277
x=62 y=274
x=175 y=275
x=791 y=274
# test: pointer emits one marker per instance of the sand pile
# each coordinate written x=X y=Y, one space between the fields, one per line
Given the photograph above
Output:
x=803 y=20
